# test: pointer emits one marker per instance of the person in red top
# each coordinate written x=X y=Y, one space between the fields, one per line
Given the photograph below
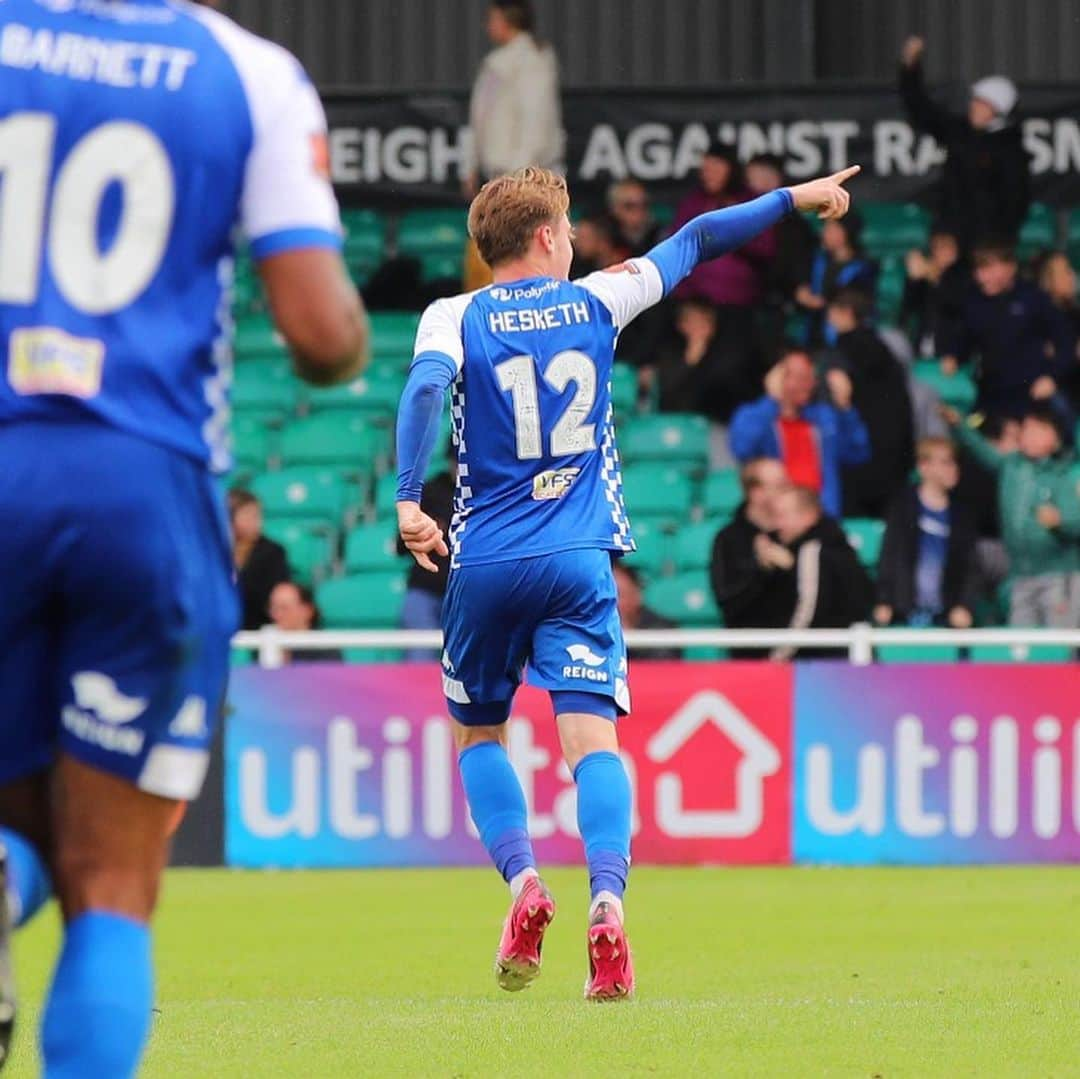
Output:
x=814 y=439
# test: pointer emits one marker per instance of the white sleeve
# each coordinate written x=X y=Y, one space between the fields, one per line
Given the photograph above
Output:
x=627 y=289
x=288 y=201
x=440 y=330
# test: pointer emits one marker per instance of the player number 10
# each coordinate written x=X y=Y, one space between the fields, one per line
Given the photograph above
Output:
x=571 y=434
x=93 y=281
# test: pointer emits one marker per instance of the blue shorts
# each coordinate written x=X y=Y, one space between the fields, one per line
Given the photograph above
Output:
x=558 y=614
x=118 y=605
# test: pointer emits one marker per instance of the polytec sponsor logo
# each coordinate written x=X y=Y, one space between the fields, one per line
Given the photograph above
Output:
x=940 y=767
x=312 y=779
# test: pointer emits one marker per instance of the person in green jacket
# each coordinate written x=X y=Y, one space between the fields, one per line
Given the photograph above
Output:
x=1039 y=499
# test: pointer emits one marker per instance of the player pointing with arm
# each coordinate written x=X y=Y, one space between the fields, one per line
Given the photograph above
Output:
x=134 y=137
x=538 y=517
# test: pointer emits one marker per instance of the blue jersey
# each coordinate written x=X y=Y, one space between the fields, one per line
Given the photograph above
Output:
x=538 y=467
x=135 y=135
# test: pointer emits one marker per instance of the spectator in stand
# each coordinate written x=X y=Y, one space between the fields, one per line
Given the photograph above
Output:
x=293 y=610
x=839 y=263
x=927 y=574
x=260 y=562
x=594 y=247
x=735 y=283
x=635 y=615
x=977 y=493
x=749 y=566
x=831 y=590
x=934 y=293
x=795 y=239
x=424 y=592
x=698 y=370
x=985 y=185
x=514 y=114
x=636 y=233
x=880 y=397
x=813 y=439
x=1039 y=502
x=1021 y=339
x=1057 y=279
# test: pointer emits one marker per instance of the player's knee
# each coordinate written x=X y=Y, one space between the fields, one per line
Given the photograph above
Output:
x=581 y=735
x=464 y=736
x=92 y=877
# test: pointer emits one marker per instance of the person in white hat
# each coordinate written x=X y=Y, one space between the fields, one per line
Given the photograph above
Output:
x=985 y=184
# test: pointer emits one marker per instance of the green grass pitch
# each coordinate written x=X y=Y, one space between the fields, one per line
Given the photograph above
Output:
x=741 y=972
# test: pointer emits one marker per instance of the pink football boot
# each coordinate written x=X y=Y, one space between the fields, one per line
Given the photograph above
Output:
x=611 y=968
x=517 y=962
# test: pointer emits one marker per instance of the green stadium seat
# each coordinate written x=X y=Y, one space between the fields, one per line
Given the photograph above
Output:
x=865 y=534
x=958 y=391
x=918 y=653
x=304 y=492
x=693 y=545
x=651 y=558
x=374 y=394
x=254 y=444
x=657 y=490
x=256 y=337
x=893 y=228
x=362 y=601
x=385 y=500
x=344 y=439
x=663 y=213
x=1072 y=235
x=671 y=438
x=1021 y=653
x=686 y=599
x=393 y=334
x=365 y=242
x=438 y=265
x=723 y=493
x=1039 y=230
x=372 y=655
x=624 y=390
x=309 y=548
x=265 y=384
x=372 y=547
x=432 y=232
x=892 y=277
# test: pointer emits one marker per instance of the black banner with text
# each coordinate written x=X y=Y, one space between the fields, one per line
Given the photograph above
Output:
x=412 y=147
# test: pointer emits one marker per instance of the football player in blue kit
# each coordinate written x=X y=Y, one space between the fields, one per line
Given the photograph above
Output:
x=135 y=135
x=538 y=517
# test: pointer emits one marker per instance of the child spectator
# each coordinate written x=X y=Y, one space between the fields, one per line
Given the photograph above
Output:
x=880 y=397
x=839 y=263
x=934 y=293
x=927 y=573
x=1040 y=518
x=1021 y=339
x=813 y=439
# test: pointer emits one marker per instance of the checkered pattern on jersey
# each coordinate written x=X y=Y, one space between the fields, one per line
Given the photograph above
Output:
x=611 y=475
x=462 y=490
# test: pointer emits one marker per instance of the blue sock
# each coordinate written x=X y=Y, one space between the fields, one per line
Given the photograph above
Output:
x=497 y=804
x=603 y=813
x=28 y=881
x=98 y=1012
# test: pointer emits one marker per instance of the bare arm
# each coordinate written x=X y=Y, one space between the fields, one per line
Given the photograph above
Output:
x=319 y=313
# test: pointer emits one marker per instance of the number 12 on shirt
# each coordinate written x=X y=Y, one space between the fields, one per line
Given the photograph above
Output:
x=570 y=434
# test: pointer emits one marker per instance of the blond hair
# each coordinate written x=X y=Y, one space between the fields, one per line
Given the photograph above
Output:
x=926 y=447
x=509 y=209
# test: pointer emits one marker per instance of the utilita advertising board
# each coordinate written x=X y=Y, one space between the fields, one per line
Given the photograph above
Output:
x=731 y=763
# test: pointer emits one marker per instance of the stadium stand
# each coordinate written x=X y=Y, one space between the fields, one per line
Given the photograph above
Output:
x=321 y=459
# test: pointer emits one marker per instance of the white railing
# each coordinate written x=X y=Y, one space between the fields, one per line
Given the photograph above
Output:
x=859 y=640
